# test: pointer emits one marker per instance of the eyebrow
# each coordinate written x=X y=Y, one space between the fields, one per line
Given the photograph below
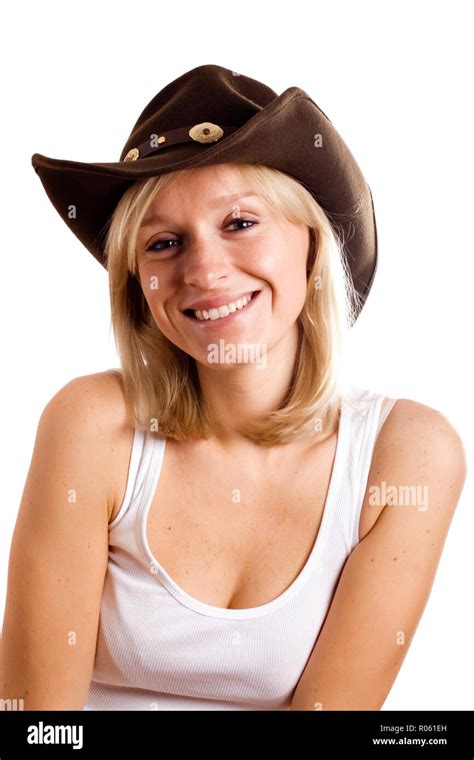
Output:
x=156 y=218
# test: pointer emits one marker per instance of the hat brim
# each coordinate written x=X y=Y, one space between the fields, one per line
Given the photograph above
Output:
x=283 y=134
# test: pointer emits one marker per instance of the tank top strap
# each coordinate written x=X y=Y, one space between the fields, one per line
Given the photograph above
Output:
x=144 y=465
x=368 y=412
x=387 y=406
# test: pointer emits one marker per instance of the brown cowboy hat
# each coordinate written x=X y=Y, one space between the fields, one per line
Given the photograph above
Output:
x=211 y=115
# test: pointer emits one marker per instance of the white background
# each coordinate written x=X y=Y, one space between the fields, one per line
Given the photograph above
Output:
x=396 y=81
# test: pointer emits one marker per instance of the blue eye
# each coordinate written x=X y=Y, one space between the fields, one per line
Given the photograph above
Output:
x=166 y=241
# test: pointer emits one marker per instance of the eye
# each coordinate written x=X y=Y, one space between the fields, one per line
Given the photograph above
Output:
x=242 y=221
x=166 y=242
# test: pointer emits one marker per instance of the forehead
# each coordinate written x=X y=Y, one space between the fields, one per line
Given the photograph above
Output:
x=209 y=182
x=211 y=186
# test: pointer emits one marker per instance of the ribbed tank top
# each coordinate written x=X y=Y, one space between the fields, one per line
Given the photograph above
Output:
x=158 y=648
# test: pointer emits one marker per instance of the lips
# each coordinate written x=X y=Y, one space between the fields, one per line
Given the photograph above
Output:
x=222 y=322
x=215 y=303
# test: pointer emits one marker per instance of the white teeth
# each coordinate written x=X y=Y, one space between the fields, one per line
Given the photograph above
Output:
x=223 y=311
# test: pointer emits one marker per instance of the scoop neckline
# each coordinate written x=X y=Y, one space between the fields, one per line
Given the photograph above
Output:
x=245 y=612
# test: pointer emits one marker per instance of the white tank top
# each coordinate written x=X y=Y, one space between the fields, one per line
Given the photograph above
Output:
x=158 y=648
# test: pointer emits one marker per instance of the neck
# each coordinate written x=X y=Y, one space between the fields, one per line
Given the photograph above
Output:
x=248 y=391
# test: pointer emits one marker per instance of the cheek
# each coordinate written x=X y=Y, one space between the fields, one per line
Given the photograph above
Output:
x=153 y=285
x=283 y=268
x=154 y=294
x=282 y=254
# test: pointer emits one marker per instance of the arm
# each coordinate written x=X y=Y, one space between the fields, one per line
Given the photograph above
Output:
x=387 y=579
x=59 y=552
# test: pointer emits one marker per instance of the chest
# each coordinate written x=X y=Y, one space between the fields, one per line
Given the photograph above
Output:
x=233 y=534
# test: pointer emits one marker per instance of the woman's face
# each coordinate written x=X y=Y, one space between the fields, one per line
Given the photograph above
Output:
x=210 y=245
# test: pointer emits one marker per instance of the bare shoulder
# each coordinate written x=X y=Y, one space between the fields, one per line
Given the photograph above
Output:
x=418 y=457
x=96 y=403
x=99 y=394
x=417 y=436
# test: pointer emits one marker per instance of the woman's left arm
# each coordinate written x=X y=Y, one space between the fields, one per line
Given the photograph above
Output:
x=387 y=579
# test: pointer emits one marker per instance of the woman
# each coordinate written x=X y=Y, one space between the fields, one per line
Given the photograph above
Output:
x=224 y=524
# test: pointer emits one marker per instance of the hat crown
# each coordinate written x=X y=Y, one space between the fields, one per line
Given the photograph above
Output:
x=207 y=93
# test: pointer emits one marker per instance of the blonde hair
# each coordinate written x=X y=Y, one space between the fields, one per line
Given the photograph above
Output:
x=160 y=381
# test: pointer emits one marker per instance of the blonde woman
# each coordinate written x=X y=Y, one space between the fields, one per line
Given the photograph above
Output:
x=238 y=540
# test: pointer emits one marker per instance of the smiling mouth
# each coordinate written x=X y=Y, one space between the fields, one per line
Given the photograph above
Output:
x=213 y=315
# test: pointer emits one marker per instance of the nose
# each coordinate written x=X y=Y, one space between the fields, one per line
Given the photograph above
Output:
x=205 y=263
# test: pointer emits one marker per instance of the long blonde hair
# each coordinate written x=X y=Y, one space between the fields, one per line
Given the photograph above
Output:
x=160 y=381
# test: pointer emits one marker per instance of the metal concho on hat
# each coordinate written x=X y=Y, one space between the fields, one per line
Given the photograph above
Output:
x=205 y=132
